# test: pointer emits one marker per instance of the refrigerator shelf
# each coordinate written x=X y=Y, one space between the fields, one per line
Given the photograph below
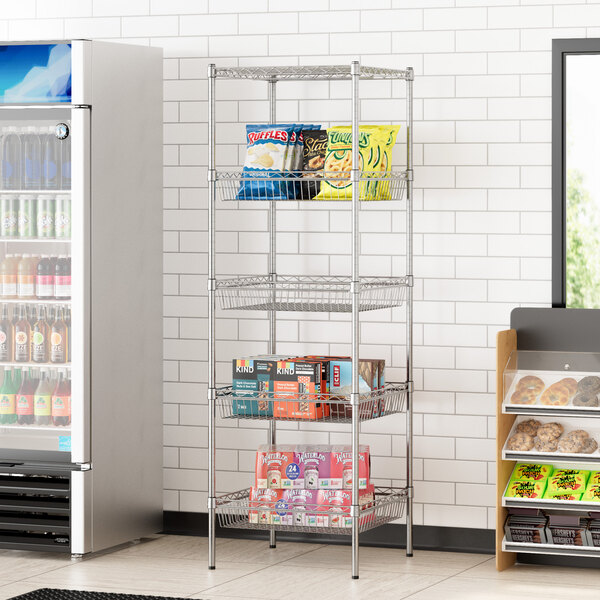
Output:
x=310 y=408
x=27 y=365
x=34 y=301
x=233 y=511
x=305 y=293
x=48 y=428
x=12 y=240
x=35 y=192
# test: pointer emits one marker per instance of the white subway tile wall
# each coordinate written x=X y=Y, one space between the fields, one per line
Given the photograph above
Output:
x=482 y=220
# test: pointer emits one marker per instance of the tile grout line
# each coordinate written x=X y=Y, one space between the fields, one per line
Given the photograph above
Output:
x=447 y=578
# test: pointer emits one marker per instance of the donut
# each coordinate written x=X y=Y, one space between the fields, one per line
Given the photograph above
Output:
x=550 y=431
x=590 y=445
x=589 y=384
x=586 y=399
x=531 y=383
x=529 y=427
x=523 y=396
x=546 y=446
x=556 y=395
x=569 y=383
x=520 y=442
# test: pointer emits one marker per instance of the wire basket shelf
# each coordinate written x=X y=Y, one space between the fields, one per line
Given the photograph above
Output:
x=308 y=186
x=296 y=73
x=306 y=293
x=312 y=408
x=235 y=510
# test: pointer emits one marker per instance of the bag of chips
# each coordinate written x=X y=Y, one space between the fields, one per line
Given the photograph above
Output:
x=375 y=143
x=266 y=155
x=313 y=158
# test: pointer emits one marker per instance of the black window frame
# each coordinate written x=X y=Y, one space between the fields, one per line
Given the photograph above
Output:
x=560 y=49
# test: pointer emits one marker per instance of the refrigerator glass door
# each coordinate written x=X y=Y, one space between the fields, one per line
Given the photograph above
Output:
x=44 y=191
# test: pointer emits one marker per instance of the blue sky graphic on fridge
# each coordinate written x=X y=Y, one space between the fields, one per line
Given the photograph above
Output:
x=35 y=73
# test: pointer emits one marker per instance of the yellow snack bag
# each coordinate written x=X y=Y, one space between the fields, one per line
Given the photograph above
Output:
x=373 y=156
x=380 y=189
x=525 y=489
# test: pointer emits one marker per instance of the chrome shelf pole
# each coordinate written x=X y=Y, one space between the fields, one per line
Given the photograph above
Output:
x=212 y=392
x=355 y=292
x=272 y=274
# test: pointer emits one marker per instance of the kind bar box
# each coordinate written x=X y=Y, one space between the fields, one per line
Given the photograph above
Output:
x=315 y=466
x=341 y=467
x=334 y=507
x=294 y=379
x=528 y=529
x=252 y=380
x=262 y=505
x=323 y=384
x=275 y=467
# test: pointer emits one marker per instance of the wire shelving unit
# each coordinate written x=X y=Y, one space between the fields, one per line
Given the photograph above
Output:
x=274 y=292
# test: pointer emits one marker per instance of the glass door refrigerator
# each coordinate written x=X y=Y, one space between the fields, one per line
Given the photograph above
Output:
x=80 y=294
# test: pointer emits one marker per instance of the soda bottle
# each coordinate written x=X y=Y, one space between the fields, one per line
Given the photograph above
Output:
x=11 y=159
x=62 y=278
x=61 y=401
x=59 y=338
x=9 y=213
x=45 y=216
x=44 y=281
x=8 y=274
x=50 y=159
x=8 y=392
x=22 y=336
x=65 y=162
x=27 y=216
x=40 y=337
x=26 y=277
x=68 y=322
x=42 y=400
x=25 y=397
x=6 y=336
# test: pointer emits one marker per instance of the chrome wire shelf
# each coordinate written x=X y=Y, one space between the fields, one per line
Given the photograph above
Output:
x=313 y=408
x=235 y=511
x=309 y=294
x=304 y=186
x=299 y=73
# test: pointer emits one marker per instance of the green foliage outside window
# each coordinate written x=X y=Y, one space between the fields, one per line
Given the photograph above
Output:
x=583 y=245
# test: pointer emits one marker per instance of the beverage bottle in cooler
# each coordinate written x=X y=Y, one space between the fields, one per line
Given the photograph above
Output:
x=6 y=336
x=62 y=278
x=8 y=274
x=45 y=216
x=27 y=216
x=50 y=159
x=26 y=273
x=25 y=397
x=9 y=213
x=59 y=338
x=32 y=159
x=40 y=337
x=62 y=217
x=61 y=401
x=44 y=282
x=11 y=159
x=22 y=336
x=65 y=163
x=42 y=400
x=8 y=412
x=68 y=322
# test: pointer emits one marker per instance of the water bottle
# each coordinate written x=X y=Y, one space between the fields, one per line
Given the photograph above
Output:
x=50 y=159
x=65 y=163
x=11 y=159
x=32 y=155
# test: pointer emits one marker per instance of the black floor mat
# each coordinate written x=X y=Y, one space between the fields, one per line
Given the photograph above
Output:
x=48 y=594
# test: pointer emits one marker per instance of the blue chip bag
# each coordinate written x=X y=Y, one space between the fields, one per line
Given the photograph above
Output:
x=266 y=155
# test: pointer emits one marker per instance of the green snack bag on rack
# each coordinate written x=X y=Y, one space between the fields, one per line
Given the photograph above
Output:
x=581 y=472
x=531 y=472
x=567 y=482
x=594 y=478
x=549 y=495
x=525 y=489
x=591 y=494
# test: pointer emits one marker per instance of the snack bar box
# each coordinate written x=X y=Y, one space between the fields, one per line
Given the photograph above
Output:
x=291 y=379
x=252 y=380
